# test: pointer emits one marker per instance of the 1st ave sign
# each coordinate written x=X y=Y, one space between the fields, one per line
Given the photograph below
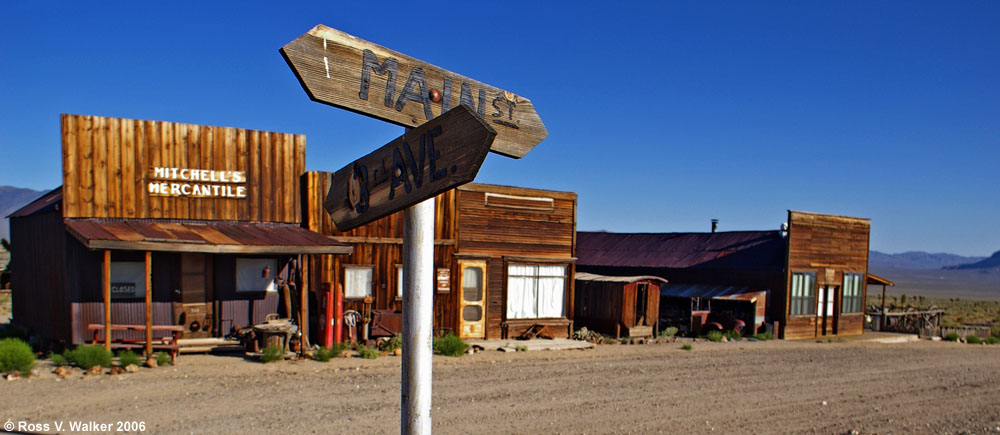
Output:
x=347 y=72
x=440 y=154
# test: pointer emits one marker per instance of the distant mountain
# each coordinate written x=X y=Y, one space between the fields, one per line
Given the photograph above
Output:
x=988 y=263
x=11 y=199
x=917 y=260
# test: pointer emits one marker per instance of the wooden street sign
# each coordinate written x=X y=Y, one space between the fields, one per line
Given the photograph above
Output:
x=439 y=155
x=347 y=72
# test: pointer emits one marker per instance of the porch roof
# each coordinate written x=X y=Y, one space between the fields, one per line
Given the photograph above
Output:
x=213 y=237
x=711 y=291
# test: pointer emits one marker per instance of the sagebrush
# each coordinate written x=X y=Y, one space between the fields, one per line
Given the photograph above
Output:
x=450 y=345
x=88 y=356
x=15 y=354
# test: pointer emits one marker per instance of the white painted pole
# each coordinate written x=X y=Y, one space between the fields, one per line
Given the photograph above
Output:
x=418 y=312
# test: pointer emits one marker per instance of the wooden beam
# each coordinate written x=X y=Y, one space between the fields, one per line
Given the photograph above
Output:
x=107 y=298
x=304 y=301
x=149 y=304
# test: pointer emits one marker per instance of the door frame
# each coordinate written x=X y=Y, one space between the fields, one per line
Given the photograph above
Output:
x=461 y=302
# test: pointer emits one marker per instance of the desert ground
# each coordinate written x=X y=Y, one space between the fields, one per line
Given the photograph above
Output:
x=735 y=387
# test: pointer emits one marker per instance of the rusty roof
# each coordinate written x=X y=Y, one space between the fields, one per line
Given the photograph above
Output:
x=584 y=276
x=710 y=291
x=216 y=237
x=51 y=200
x=720 y=250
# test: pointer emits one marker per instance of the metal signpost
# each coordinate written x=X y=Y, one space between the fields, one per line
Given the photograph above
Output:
x=452 y=121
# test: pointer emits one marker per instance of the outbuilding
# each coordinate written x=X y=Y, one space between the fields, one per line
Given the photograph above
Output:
x=622 y=306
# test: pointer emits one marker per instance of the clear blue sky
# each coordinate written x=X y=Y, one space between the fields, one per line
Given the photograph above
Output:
x=661 y=115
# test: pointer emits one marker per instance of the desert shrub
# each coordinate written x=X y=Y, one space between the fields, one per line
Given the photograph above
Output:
x=13 y=331
x=764 y=336
x=714 y=335
x=89 y=356
x=58 y=359
x=687 y=347
x=324 y=355
x=952 y=336
x=450 y=345
x=366 y=352
x=392 y=344
x=127 y=357
x=995 y=330
x=163 y=359
x=972 y=339
x=15 y=354
x=272 y=353
x=733 y=334
x=992 y=340
x=668 y=332
x=521 y=348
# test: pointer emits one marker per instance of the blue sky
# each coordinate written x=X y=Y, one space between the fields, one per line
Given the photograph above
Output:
x=660 y=116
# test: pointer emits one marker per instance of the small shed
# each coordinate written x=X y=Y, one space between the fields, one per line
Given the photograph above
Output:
x=690 y=307
x=618 y=305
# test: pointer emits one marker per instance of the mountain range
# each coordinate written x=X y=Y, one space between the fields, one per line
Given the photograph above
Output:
x=918 y=260
x=11 y=199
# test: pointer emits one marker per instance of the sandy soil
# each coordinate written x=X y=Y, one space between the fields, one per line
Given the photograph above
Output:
x=742 y=387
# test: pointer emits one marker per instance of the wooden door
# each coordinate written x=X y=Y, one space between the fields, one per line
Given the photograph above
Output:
x=824 y=310
x=472 y=300
x=193 y=297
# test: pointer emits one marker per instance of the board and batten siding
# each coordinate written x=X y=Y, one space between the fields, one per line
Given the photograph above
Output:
x=108 y=162
x=828 y=246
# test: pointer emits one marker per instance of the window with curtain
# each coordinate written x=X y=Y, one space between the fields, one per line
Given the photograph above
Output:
x=357 y=282
x=803 y=300
x=852 y=302
x=535 y=291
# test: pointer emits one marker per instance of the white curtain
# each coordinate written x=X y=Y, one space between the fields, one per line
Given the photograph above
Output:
x=551 y=288
x=357 y=282
x=521 y=302
x=535 y=291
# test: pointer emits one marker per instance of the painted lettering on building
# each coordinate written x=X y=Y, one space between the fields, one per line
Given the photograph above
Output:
x=197 y=183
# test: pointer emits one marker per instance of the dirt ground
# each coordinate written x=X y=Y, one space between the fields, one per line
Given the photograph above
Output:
x=737 y=387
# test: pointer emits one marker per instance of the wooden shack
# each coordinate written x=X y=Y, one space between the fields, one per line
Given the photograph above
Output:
x=161 y=223
x=812 y=276
x=622 y=306
x=503 y=259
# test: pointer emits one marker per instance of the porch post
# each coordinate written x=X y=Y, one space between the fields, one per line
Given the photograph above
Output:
x=106 y=273
x=149 y=304
x=304 y=304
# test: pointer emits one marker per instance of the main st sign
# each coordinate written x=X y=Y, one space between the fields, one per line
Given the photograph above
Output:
x=344 y=71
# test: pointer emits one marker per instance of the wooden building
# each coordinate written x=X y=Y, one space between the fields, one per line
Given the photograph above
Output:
x=812 y=276
x=161 y=223
x=503 y=259
x=626 y=306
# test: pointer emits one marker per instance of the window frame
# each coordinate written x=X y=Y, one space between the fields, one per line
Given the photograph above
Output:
x=535 y=292
x=371 y=281
x=807 y=300
x=857 y=298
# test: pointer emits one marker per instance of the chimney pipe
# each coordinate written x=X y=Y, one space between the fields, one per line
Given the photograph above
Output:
x=715 y=225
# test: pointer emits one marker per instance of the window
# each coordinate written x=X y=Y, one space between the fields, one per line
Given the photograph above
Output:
x=803 y=300
x=128 y=279
x=535 y=291
x=399 y=281
x=256 y=274
x=852 y=302
x=357 y=282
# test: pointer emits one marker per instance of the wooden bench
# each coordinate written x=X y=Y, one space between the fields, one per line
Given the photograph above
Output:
x=514 y=325
x=168 y=344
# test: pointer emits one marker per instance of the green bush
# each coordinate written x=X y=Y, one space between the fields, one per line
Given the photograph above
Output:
x=450 y=345
x=272 y=353
x=127 y=357
x=394 y=343
x=733 y=334
x=995 y=330
x=15 y=354
x=687 y=347
x=952 y=336
x=89 y=356
x=714 y=335
x=58 y=359
x=365 y=351
x=668 y=332
x=325 y=355
x=764 y=336
x=163 y=359
x=992 y=340
x=972 y=339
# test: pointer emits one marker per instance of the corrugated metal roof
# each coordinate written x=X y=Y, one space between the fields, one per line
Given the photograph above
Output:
x=710 y=291
x=218 y=237
x=584 y=276
x=723 y=250
x=48 y=201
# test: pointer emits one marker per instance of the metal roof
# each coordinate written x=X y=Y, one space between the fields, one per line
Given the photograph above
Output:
x=584 y=276
x=710 y=291
x=873 y=279
x=722 y=250
x=49 y=201
x=216 y=237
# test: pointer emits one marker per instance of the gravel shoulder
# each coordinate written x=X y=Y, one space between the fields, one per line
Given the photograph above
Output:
x=739 y=387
